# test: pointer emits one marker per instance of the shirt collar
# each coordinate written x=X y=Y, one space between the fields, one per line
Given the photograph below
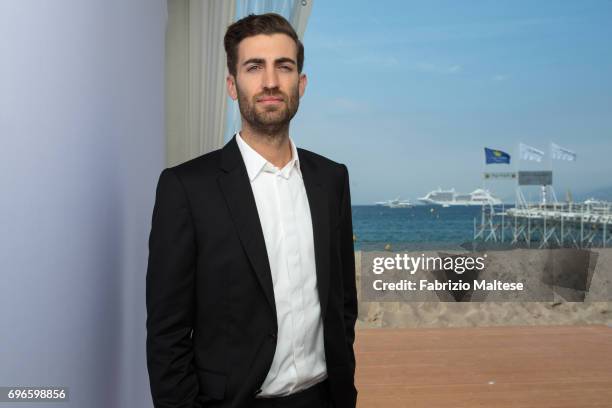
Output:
x=255 y=162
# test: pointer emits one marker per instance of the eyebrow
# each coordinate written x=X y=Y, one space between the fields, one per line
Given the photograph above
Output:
x=277 y=61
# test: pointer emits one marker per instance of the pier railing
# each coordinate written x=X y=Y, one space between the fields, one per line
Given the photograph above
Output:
x=544 y=225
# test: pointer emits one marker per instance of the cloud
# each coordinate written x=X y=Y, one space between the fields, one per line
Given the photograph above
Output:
x=438 y=69
x=391 y=33
x=373 y=60
x=500 y=77
x=453 y=69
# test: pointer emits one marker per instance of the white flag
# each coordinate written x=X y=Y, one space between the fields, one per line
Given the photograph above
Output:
x=530 y=153
x=561 y=153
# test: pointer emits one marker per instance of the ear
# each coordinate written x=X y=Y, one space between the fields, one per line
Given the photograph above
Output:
x=302 y=84
x=230 y=81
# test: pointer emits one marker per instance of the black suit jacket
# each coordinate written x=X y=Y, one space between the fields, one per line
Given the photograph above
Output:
x=211 y=315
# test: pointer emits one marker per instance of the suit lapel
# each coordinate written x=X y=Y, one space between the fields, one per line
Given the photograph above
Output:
x=236 y=188
x=319 y=212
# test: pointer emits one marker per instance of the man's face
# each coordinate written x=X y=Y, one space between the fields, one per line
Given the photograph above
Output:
x=267 y=85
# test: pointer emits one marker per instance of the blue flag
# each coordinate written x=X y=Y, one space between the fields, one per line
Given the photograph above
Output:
x=496 y=156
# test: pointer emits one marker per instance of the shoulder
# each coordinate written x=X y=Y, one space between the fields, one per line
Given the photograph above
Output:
x=322 y=163
x=199 y=171
x=328 y=172
x=205 y=163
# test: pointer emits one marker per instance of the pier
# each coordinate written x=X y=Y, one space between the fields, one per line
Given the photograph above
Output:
x=547 y=224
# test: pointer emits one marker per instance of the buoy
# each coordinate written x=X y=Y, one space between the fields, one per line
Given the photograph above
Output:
x=387 y=247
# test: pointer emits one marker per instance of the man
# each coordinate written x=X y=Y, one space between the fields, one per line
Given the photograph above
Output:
x=251 y=294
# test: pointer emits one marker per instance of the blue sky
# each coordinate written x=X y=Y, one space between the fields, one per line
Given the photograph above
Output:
x=407 y=94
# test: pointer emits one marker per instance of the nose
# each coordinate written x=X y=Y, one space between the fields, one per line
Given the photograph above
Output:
x=270 y=78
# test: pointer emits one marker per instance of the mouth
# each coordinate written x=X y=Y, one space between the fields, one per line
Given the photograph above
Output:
x=270 y=100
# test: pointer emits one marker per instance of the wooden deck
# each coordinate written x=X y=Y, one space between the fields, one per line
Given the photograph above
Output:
x=493 y=367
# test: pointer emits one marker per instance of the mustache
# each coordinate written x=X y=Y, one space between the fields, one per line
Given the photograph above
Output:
x=274 y=94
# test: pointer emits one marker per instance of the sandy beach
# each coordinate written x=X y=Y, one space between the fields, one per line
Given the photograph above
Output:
x=564 y=286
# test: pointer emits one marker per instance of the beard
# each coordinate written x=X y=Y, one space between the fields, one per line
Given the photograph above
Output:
x=270 y=120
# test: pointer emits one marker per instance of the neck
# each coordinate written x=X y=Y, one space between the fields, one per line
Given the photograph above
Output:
x=274 y=147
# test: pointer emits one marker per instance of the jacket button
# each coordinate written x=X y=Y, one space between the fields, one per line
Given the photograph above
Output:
x=272 y=336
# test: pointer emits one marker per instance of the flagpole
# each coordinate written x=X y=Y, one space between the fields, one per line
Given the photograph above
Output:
x=516 y=170
x=550 y=158
x=550 y=166
x=484 y=182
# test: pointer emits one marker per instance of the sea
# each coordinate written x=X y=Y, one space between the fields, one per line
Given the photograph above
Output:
x=420 y=227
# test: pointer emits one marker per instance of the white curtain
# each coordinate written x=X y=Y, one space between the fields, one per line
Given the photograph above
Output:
x=295 y=11
x=195 y=77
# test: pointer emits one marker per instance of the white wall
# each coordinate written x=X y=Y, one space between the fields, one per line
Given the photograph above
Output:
x=81 y=147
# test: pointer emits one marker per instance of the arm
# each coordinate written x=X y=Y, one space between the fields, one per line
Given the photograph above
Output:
x=347 y=254
x=170 y=297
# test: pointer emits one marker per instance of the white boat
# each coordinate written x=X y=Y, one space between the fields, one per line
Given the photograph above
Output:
x=397 y=203
x=598 y=206
x=595 y=202
x=447 y=198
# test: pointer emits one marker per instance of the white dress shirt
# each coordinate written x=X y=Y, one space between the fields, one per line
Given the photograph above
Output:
x=284 y=213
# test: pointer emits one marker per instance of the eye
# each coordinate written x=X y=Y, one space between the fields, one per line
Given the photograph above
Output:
x=252 y=67
x=286 y=68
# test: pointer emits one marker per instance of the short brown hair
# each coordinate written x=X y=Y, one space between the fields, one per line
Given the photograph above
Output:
x=255 y=24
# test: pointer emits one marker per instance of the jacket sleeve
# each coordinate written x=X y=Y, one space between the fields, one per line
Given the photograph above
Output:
x=347 y=254
x=170 y=297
